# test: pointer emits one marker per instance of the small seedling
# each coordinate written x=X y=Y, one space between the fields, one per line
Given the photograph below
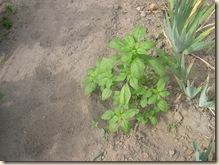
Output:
x=10 y=10
x=172 y=127
x=94 y=124
x=2 y=95
x=7 y=24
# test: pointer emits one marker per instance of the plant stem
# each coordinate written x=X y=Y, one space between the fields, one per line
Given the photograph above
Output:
x=205 y=62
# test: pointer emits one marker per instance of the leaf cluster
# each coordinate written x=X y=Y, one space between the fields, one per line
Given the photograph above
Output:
x=203 y=156
x=135 y=79
x=185 y=25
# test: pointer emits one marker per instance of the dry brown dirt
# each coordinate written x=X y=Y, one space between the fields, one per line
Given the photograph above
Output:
x=45 y=115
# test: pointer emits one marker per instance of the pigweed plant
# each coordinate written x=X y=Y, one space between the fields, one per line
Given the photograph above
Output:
x=135 y=79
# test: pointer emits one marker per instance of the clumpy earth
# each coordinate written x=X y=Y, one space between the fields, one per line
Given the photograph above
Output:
x=45 y=115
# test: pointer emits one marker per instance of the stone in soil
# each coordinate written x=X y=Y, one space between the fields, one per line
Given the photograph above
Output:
x=171 y=153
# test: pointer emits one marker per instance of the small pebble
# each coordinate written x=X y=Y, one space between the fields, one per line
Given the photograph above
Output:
x=142 y=14
x=153 y=7
x=171 y=152
x=184 y=148
x=138 y=8
x=116 y=6
x=176 y=140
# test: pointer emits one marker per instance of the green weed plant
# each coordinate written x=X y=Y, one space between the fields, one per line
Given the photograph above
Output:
x=135 y=79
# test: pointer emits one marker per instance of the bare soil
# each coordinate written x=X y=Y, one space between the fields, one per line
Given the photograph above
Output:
x=45 y=115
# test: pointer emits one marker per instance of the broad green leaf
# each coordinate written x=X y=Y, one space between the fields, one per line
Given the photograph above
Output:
x=116 y=98
x=153 y=120
x=164 y=94
x=113 y=124
x=106 y=93
x=157 y=67
x=137 y=68
x=118 y=112
x=109 y=83
x=152 y=99
x=120 y=77
x=2 y=95
x=134 y=83
x=143 y=102
x=125 y=125
x=161 y=52
x=147 y=94
x=116 y=44
x=148 y=44
x=162 y=105
x=139 y=33
x=126 y=57
x=129 y=39
x=125 y=95
x=98 y=61
x=87 y=80
x=90 y=72
x=101 y=80
x=107 y=64
x=130 y=113
x=107 y=115
x=90 y=88
x=161 y=85
x=141 y=119
x=141 y=51
x=116 y=57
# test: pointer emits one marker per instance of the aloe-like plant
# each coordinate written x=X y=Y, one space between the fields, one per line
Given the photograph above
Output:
x=183 y=71
x=204 y=155
x=204 y=101
x=185 y=25
x=190 y=90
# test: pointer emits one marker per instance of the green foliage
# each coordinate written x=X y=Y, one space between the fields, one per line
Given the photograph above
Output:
x=204 y=101
x=134 y=79
x=204 y=155
x=172 y=127
x=2 y=95
x=7 y=23
x=190 y=91
x=185 y=27
x=10 y=10
x=94 y=124
x=184 y=73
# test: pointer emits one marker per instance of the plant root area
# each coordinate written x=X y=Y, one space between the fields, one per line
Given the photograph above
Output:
x=45 y=115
